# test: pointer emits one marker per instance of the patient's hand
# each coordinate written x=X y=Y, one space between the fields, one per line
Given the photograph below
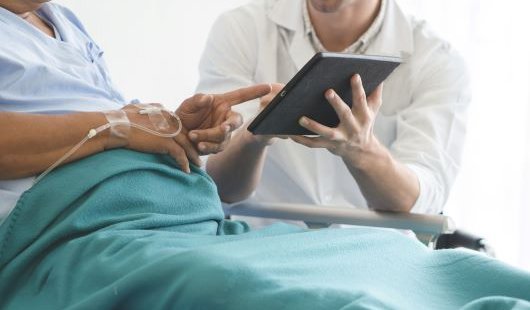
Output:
x=179 y=147
x=210 y=118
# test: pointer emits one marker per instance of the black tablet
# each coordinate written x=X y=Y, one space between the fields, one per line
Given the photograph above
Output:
x=304 y=94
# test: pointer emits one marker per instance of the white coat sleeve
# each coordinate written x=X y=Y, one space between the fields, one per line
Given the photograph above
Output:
x=431 y=130
x=229 y=59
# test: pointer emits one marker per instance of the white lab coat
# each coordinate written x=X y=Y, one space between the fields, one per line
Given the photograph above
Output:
x=422 y=120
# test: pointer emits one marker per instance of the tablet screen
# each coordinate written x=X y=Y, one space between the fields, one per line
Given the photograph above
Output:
x=304 y=94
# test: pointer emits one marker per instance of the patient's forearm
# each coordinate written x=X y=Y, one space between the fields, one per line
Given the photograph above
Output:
x=30 y=143
x=385 y=183
x=237 y=170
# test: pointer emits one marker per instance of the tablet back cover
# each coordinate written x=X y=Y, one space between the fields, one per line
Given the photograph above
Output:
x=304 y=94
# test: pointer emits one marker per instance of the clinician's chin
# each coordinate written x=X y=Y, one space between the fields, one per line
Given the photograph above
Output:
x=328 y=6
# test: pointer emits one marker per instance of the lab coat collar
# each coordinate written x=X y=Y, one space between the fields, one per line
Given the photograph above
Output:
x=284 y=13
x=394 y=39
x=288 y=14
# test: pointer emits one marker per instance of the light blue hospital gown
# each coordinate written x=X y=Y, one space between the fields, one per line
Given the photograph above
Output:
x=41 y=74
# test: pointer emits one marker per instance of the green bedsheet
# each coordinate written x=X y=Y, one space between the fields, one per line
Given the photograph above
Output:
x=125 y=230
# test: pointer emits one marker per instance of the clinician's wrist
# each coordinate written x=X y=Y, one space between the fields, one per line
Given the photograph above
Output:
x=252 y=140
x=365 y=159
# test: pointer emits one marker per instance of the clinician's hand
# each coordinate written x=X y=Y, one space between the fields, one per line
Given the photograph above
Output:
x=263 y=103
x=210 y=118
x=179 y=147
x=354 y=136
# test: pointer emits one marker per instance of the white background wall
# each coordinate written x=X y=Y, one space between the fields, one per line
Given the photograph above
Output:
x=153 y=47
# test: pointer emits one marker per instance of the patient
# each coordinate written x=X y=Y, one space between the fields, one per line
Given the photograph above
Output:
x=51 y=68
x=129 y=223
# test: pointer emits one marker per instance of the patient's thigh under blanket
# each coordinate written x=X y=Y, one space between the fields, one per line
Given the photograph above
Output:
x=124 y=230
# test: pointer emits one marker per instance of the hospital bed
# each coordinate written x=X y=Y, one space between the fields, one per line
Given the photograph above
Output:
x=428 y=228
x=435 y=231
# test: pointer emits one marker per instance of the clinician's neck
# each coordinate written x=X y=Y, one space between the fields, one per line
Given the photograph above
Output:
x=338 y=30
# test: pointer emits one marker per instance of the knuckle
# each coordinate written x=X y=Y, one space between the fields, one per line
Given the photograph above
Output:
x=333 y=135
x=197 y=96
x=344 y=113
x=359 y=96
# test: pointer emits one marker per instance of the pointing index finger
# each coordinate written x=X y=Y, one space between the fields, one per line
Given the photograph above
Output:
x=241 y=95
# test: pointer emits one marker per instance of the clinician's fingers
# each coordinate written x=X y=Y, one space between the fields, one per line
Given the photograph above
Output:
x=319 y=129
x=312 y=142
x=266 y=100
x=217 y=134
x=344 y=112
x=375 y=100
x=359 y=103
x=191 y=151
x=245 y=94
x=180 y=157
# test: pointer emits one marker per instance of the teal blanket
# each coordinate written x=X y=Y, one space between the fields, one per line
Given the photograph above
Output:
x=125 y=230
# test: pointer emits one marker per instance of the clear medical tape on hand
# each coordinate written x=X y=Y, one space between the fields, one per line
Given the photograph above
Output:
x=119 y=125
x=155 y=114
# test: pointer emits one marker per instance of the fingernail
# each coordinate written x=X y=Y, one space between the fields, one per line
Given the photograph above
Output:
x=331 y=94
x=227 y=128
x=202 y=147
x=193 y=136
x=303 y=121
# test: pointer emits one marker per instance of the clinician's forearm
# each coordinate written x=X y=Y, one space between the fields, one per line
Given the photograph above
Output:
x=237 y=170
x=30 y=143
x=386 y=184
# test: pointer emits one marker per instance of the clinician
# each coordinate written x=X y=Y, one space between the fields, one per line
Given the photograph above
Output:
x=398 y=149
